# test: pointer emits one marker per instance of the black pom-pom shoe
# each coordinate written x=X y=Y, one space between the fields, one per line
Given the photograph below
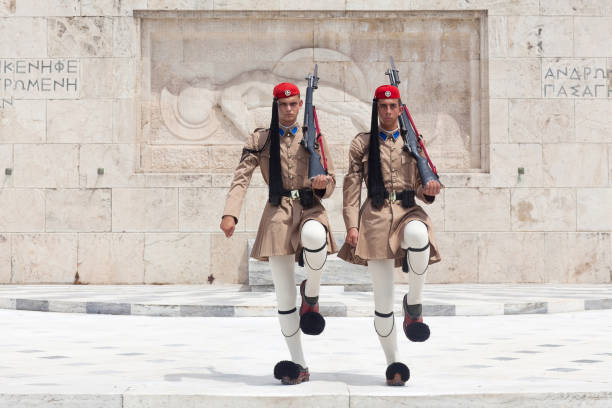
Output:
x=290 y=373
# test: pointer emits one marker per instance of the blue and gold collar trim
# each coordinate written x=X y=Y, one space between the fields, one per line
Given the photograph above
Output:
x=383 y=135
x=286 y=131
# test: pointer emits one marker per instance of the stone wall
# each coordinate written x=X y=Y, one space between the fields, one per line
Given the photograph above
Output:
x=121 y=120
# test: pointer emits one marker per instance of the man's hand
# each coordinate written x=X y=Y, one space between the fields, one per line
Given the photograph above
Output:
x=320 y=182
x=351 y=237
x=228 y=225
x=432 y=188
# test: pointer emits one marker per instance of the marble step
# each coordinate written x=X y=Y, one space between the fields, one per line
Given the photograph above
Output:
x=337 y=272
x=242 y=301
x=316 y=394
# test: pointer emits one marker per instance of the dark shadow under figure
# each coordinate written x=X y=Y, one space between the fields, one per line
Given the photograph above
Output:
x=346 y=377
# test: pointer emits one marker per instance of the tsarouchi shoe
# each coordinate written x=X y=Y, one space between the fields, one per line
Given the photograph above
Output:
x=311 y=321
x=397 y=374
x=414 y=327
x=290 y=373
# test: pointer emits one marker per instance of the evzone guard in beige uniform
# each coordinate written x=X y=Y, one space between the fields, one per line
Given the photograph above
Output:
x=294 y=225
x=390 y=229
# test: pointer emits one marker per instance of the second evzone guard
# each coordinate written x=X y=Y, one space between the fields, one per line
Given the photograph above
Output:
x=390 y=229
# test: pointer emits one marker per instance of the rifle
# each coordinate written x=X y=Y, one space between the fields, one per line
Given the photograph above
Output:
x=411 y=135
x=312 y=133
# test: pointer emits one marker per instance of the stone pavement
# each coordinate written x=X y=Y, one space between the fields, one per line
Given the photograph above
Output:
x=236 y=300
x=105 y=361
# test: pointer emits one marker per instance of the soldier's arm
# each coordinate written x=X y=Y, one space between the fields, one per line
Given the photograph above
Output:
x=351 y=190
x=242 y=178
x=418 y=187
x=331 y=181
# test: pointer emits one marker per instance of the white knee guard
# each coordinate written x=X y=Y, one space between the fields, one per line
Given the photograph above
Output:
x=314 y=244
x=313 y=234
x=314 y=254
x=416 y=244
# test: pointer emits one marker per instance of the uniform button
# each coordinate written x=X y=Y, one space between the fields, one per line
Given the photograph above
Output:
x=291 y=176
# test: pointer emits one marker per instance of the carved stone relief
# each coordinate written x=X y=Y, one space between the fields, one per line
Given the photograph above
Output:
x=207 y=82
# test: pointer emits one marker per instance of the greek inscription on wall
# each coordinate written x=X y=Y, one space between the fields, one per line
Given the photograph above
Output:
x=38 y=79
x=4 y=102
x=571 y=78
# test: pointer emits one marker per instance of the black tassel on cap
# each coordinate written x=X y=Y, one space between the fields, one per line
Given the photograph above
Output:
x=376 y=185
x=276 y=181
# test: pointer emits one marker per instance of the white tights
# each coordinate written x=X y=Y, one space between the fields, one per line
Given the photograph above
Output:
x=382 y=284
x=284 y=285
x=313 y=237
x=415 y=236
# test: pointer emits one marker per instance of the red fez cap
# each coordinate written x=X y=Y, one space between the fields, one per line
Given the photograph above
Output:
x=387 y=92
x=285 y=90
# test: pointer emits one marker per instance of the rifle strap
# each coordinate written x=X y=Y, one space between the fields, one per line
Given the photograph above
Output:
x=319 y=140
x=420 y=140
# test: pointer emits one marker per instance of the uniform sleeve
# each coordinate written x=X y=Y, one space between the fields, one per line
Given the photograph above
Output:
x=418 y=187
x=242 y=178
x=330 y=171
x=352 y=186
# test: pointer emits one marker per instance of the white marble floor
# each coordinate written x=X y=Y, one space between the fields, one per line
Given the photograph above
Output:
x=84 y=360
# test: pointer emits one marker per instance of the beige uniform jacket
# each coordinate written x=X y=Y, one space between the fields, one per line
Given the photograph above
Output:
x=280 y=226
x=380 y=231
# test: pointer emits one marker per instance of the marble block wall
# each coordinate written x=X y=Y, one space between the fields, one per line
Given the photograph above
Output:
x=121 y=122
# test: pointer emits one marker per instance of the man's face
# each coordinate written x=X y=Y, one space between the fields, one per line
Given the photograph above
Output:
x=388 y=112
x=288 y=109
